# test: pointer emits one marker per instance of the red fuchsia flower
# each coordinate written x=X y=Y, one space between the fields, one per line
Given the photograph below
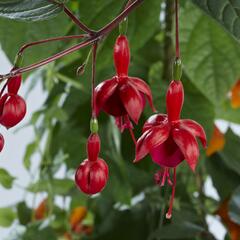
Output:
x=12 y=106
x=92 y=175
x=123 y=96
x=169 y=140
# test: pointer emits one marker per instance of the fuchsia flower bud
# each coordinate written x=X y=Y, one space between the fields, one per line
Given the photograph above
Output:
x=123 y=96
x=1 y=142
x=12 y=106
x=92 y=175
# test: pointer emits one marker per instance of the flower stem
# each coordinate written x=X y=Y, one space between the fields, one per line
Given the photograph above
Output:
x=94 y=58
x=91 y=40
x=133 y=136
x=169 y=213
x=177 y=29
x=24 y=47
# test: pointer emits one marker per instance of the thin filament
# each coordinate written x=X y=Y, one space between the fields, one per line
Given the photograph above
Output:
x=94 y=58
x=177 y=29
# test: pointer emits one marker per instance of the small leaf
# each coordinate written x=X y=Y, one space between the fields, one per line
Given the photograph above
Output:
x=7 y=216
x=28 y=10
x=24 y=213
x=30 y=150
x=6 y=180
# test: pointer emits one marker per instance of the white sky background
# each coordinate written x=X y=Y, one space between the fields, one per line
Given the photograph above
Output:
x=15 y=144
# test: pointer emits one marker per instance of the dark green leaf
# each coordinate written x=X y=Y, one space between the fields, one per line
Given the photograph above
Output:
x=24 y=213
x=226 y=12
x=28 y=10
x=234 y=206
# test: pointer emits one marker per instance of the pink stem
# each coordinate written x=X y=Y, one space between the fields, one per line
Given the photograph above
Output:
x=169 y=213
x=133 y=136
x=177 y=29
x=90 y=41
x=24 y=47
x=94 y=58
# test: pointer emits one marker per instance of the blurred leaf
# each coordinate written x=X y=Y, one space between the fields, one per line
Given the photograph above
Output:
x=224 y=179
x=225 y=12
x=234 y=206
x=37 y=232
x=210 y=56
x=28 y=10
x=6 y=180
x=59 y=186
x=30 y=150
x=7 y=216
x=24 y=213
x=231 y=152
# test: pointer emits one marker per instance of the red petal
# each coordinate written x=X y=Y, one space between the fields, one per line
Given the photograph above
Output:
x=132 y=101
x=103 y=91
x=194 y=128
x=155 y=120
x=150 y=140
x=175 y=99
x=1 y=142
x=144 y=88
x=14 y=110
x=188 y=145
x=93 y=147
x=14 y=84
x=121 y=55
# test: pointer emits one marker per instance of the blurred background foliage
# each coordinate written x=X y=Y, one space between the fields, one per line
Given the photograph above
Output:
x=131 y=206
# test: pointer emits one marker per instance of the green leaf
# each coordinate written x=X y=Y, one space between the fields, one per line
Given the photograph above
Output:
x=211 y=57
x=6 y=180
x=234 y=206
x=7 y=216
x=224 y=179
x=24 y=213
x=30 y=150
x=225 y=12
x=231 y=152
x=59 y=186
x=28 y=10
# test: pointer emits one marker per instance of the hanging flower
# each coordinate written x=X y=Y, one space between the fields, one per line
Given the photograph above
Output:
x=235 y=95
x=123 y=96
x=92 y=175
x=12 y=106
x=169 y=140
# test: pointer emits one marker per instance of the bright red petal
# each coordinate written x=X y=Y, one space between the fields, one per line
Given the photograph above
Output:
x=13 y=112
x=155 y=120
x=14 y=84
x=144 y=88
x=121 y=55
x=104 y=91
x=188 y=145
x=150 y=140
x=175 y=99
x=194 y=128
x=132 y=101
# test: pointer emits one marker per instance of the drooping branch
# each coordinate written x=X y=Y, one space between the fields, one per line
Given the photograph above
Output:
x=90 y=40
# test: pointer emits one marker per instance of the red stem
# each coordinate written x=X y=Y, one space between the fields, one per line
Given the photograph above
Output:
x=177 y=29
x=90 y=41
x=94 y=58
x=133 y=136
x=24 y=47
x=169 y=213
